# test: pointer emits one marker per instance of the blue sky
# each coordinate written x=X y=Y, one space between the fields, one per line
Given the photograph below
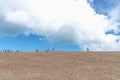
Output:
x=104 y=6
x=31 y=43
x=67 y=25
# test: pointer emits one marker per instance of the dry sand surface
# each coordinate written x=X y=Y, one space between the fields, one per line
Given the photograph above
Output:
x=60 y=66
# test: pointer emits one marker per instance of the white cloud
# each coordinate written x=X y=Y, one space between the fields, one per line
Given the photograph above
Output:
x=18 y=17
x=115 y=18
x=115 y=13
x=64 y=21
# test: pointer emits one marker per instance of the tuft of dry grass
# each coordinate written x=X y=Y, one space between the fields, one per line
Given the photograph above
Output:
x=60 y=66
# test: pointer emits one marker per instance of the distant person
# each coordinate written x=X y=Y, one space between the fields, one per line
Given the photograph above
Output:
x=5 y=50
x=52 y=49
x=47 y=50
x=37 y=50
x=87 y=49
x=8 y=50
x=17 y=51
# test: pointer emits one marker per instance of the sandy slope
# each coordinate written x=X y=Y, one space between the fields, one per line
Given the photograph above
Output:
x=60 y=66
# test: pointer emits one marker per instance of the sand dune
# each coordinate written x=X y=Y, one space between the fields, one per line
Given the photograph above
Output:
x=60 y=66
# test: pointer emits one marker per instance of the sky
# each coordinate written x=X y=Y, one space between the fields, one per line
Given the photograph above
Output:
x=66 y=25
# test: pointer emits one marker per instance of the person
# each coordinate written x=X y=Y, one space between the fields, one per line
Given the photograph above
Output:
x=17 y=51
x=87 y=49
x=37 y=50
x=47 y=50
x=52 y=49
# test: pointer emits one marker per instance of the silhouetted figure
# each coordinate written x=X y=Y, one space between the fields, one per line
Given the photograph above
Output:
x=37 y=50
x=87 y=49
x=5 y=50
x=47 y=50
x=52 y=49
x=17 y=51
x=8 y=50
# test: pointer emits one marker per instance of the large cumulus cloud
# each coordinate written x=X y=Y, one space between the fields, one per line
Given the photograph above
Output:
x=62 y=21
